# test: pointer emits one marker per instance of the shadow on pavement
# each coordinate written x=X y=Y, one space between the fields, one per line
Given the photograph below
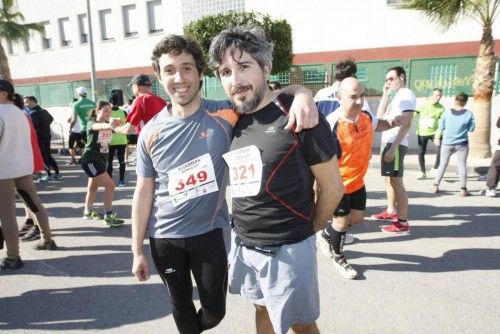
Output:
x=450 y=261
x=84 y=308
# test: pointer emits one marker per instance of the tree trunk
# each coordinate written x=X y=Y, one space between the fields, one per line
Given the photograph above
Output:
x=4 y=65
x=484 y=83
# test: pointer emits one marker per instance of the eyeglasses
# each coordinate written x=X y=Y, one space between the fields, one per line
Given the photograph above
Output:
x=390 y=79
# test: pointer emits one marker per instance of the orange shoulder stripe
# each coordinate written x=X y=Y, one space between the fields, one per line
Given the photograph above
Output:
x=229 y=115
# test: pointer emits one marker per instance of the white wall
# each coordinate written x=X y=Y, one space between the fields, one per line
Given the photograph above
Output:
x=322 y=25
x=118 y=54
x=333 y=25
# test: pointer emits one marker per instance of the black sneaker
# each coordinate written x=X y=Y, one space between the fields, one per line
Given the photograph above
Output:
x=26 y=227
x=325 y=244
x=10 y=264
x=32 y=234
x=45 y=245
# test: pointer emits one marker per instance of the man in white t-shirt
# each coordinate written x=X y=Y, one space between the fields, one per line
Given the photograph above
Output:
x=396 y=100
x=75 y=140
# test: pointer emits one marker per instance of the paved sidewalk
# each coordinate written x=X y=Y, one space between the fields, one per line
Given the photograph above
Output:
x=442 y=278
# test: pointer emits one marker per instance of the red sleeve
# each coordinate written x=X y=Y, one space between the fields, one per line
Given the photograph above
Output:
x=135 y=115
x=37 y=154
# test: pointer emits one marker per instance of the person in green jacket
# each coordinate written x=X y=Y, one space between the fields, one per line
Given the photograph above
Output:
x=427 y=118
x=118 y=141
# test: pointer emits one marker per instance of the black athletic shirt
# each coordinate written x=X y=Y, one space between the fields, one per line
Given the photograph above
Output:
x=282 y=212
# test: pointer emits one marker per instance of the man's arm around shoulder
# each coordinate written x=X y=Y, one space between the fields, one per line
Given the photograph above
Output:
x=330 y=191
x=142 y=204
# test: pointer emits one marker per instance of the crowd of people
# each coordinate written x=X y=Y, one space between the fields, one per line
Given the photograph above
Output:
x=295 y=166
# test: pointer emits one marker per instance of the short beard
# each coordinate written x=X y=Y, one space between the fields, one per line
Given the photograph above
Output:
x=248 y=107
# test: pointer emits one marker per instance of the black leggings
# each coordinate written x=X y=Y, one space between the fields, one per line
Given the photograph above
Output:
x=205 y=256
x=48 y=160
x=422 y=143
x=120 y=152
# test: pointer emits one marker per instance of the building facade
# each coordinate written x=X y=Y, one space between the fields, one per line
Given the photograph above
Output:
x=373 y=32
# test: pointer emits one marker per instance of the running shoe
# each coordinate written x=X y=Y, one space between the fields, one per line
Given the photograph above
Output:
x=488 y=192
x=435 y=189
x=325 y=244
x=26 y=227
x=121 y=184
x=57 y=176
x=72 y=163
x=113 y=221
x=44 y=178
x=32 y=234
x=345 y=269
x=421 y=176
x=384 y=215
x=92 y=214
x=10 y=264
x=45 y=245
x=396 y=228
x=349 y=239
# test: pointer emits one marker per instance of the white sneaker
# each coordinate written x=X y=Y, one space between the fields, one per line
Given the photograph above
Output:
x=421 y=176
x=488 y=192
x=349 y=239
x=345 y=269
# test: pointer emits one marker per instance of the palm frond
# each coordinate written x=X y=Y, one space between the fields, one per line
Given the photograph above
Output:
x=444 y=12
x=12 y=27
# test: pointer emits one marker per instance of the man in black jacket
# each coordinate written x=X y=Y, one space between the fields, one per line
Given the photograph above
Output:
x=41 y=121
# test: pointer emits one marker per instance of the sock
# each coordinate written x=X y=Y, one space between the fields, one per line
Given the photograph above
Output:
x=29 y=221
x=391 y=210
x=108 y=212
x=403 y=221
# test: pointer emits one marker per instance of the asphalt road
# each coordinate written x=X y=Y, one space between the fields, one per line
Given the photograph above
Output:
x=442 y=278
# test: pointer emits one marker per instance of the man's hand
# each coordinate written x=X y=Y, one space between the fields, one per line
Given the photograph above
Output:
x=389 y=155
x=140 y=268
x=387 y=89
x=437 y=141
x=303 y=112
x=397 y=121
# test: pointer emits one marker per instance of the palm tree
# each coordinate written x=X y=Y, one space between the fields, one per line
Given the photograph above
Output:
x=12 y=31
x=448 y=12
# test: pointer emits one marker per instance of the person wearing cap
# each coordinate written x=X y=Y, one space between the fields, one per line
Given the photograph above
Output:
x=81 y=108
x=146 y=105
x=16 y=167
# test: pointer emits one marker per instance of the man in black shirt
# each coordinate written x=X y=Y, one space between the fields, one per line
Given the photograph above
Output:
x=272 y=173
x=41 y=121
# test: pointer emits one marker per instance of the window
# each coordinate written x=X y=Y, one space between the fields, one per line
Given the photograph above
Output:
x=193 y=10
x=83 y=28
x=154 y=16
x=46 y=38
x=106 y=26
x=394 y=2
x=64 y=31
x=10 y=47
x=26 y=44
x=129 y=20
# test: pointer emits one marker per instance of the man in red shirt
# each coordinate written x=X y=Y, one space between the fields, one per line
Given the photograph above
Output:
x=146 y=105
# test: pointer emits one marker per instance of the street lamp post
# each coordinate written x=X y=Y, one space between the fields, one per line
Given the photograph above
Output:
x=91 y=45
